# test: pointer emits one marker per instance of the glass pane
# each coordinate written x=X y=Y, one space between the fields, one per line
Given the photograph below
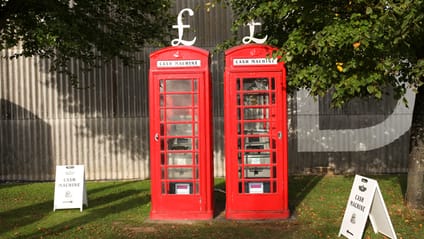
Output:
x=196 y=143
x=180 y=173
x=163 y=188
x=195 y=100
x=181 y=129
x=180 y=144
x=161 y=100
x=162 y=129
x=256 y=99
x=274 y=157
x=180 y=158
x=257 y=143
x=177 y=115
x=179 y=100
x=256 y=128
x=256 y=158
x=257 y=172
x=197 y=188
x=255 y=84
x=161 y=85
x=196 y=176
x=179 y=85
x=162 y=158
x=196 y=159
x=196 y=114
x=162 y=144
x=256 y=113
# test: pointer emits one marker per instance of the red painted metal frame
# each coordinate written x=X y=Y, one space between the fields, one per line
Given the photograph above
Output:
x=240 y=203
x=167 y=205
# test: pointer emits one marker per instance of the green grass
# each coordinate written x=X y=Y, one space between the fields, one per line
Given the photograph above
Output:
x=121 y=210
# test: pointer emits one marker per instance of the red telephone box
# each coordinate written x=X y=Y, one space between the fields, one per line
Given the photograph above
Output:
x=180 y=134
x=255 y=134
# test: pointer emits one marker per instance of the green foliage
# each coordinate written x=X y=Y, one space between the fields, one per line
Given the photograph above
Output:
x=353 y=48
x=93 y=31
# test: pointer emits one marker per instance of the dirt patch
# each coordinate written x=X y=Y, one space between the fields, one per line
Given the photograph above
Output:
x=147 y=229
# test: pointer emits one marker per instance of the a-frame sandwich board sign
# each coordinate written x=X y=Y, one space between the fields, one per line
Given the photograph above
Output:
x=70 y=191
x=366 y=201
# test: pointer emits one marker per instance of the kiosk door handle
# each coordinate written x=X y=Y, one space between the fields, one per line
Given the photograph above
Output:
x=156 y=138
x=279 y=134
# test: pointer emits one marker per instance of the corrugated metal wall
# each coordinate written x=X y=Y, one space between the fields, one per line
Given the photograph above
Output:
x=103 y=124
x=45 y=121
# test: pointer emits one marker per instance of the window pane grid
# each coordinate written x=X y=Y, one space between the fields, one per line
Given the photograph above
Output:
x=179 y=115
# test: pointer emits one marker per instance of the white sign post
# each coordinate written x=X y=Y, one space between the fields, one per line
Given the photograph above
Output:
x=69 y=190
x=365 y=201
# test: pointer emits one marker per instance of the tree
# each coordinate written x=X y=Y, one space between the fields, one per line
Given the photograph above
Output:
x=93 y=31
x=349 y=48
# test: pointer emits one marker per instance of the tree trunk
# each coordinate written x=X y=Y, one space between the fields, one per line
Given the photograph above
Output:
x=415 y=189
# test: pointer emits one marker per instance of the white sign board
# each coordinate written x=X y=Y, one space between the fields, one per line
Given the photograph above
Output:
x=256 y=188
x=178 y=63
x=182 y=188
x=69 y=190
x=254 y=61
x=365 y=201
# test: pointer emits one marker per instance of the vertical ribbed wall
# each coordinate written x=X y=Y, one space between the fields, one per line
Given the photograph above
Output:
x=46 y=121
x=102 y=122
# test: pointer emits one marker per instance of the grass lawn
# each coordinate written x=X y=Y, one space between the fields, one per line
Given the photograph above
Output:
x=121 y=210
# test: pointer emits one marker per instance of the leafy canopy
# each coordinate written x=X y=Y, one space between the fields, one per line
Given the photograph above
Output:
x=352 y=48
x=90 y=30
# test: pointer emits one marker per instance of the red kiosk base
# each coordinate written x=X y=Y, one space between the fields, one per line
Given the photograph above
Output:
x=184 y=215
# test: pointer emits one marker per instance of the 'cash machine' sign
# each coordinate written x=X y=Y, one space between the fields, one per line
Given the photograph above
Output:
x=254 y=61
x=365 y=201
x=69 y=190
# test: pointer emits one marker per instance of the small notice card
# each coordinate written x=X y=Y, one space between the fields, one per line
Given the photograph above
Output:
x=365 y=201
x=69 y=190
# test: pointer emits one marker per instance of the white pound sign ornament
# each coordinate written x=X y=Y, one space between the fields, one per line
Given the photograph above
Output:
x=180 y=26
x=247 y=40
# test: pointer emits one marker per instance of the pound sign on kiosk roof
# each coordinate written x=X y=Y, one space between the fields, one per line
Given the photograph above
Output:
x=180 y=26
x=247 y=40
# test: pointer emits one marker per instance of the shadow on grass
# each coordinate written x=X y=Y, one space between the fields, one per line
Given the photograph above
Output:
x=23 y=216
x=101 y=205
x=299 y=188
x=396 y=179
x=403 y=181
x=220 y=198
x=96 y=212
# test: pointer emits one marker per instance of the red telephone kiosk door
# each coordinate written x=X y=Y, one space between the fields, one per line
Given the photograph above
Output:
x=180 y=134
x=255 y=134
